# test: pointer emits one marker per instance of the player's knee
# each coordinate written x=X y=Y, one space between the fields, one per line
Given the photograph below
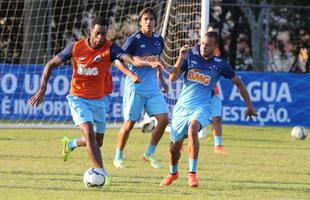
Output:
x=193 y=133
x=174 y=148
x=163 y=120
x=216 y=121
x=90 y=137
x=127 y=126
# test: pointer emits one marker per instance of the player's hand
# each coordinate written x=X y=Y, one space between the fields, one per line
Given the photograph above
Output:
x=164 y=87
x=183 y=51
x=134 y=78
x=157 y=63
x=250 y=112
x=37 y=99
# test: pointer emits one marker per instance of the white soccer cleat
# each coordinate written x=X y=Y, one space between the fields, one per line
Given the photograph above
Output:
x=118 y=163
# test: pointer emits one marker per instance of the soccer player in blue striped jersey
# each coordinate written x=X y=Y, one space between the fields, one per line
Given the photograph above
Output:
x=146 y=94
x=201 y=70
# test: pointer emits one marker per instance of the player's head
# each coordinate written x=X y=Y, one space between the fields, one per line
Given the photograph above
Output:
x=213 y=27
x=208 y=44
x=98 y=31
x=147 y=20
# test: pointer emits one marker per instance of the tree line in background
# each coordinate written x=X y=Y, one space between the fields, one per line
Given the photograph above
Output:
x=256 y=35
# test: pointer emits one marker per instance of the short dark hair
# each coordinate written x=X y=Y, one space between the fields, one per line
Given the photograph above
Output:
x=100 y=21
x=213 y=25
x=214 y=35
x=147 y=10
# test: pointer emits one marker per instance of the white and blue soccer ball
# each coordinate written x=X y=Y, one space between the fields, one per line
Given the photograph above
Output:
x=92 y=178
x=299 y=133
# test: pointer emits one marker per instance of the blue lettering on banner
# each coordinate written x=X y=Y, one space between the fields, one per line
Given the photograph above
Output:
x=281 y=99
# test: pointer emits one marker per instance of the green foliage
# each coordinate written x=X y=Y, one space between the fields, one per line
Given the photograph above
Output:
x=263 y=163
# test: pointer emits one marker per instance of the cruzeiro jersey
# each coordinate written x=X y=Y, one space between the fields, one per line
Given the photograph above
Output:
x=200 y=77
x=139 y=44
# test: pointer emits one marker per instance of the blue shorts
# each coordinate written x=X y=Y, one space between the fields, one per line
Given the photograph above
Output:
x=134 y=101
x=183 y=116
x=216 y=106
x=88 y=110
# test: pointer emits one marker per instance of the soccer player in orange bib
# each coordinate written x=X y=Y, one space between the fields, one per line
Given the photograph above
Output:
x=91 y=83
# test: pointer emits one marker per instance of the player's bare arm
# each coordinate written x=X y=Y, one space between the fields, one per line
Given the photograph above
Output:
x=123 y=68
x=176 y=71
x=163 y=85
x=38 y=97
x=245 y=95
x=140 y=62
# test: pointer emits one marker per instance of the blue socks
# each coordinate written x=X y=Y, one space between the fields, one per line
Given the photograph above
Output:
x=118 y=155
x=150 y=150
x=193 y=165
x=173 y=169
x=217 y=141
x=72 y=144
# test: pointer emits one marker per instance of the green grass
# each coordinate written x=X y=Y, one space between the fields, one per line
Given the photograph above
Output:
x=263 y=163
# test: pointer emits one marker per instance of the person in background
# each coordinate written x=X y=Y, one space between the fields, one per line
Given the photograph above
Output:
x=147 y=94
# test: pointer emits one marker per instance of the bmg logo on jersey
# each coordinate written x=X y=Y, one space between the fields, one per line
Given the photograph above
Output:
x=82 y=70
x=195 y=76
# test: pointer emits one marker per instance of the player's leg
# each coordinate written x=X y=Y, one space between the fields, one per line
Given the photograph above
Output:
x=81 y=113
x=162 y=122
x=94 y=111
x=122 y=139
x=157 y=134
x=193 y=150
x=81 y=142
x=92 y=147
x=133 y=103
x=178 y=132
x=216 y=113
x=174 y=156
x=198 y=119
x=217 y=135
x=157 y=107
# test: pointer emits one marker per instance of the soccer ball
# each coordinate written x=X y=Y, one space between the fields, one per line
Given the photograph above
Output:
x=299 y=133
x=92 y=178
x=149 y=126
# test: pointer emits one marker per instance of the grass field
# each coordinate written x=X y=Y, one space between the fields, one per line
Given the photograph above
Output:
x=263 y=163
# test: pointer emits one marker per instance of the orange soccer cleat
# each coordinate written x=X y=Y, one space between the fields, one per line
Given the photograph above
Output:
x=220 y=150
x=192 y=180
x=169 y=179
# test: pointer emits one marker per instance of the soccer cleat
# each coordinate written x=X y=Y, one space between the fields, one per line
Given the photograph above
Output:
x=154 y=163
x=169 y=179
x=107 y=182
x=192 y=180
x=220 y=150
x=65 y=149
x=118 y=163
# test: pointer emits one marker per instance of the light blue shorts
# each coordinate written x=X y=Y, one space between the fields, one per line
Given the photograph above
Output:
x=88 y=110
x=134 y=101
x=216 y=106
x=183 y=116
